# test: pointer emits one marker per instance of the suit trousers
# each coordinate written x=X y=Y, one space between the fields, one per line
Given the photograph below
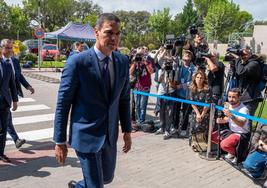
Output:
x=98 y=168
x=4 y=112
x=11 y=129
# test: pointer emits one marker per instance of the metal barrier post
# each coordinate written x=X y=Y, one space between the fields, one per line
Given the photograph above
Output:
x=212 y=112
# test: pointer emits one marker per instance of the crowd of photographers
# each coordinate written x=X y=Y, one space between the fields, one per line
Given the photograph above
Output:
x=189 y=70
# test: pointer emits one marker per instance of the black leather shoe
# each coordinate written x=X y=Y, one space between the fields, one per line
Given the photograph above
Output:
x=5 y=159
x=72 y=184
x=19 y=143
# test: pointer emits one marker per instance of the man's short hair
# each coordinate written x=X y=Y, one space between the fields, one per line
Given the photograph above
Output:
x=187 y=52
x=106 y=17
x=236 y=90
x=4 y=42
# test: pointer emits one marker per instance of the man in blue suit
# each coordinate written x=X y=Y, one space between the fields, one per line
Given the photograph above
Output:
x=95 y=86
x=7 y=53
x=8 y=93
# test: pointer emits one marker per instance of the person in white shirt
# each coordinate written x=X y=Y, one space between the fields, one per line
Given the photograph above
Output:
x=238 y=125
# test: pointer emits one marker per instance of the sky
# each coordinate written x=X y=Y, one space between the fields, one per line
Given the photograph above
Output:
x=256 y=7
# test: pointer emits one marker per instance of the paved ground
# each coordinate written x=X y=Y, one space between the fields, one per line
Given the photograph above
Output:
x=152 y=163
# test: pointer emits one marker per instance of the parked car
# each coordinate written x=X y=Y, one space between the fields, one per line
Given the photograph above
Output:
x=50 y=52
x=32 y=45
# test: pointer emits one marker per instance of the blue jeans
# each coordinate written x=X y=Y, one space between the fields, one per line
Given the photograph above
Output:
x=255 y=163
x=141 y=104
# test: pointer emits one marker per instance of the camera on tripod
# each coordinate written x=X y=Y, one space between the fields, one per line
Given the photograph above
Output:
x=232 y=53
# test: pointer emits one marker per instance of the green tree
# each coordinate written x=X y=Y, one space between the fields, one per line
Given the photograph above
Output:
x=91 y=19
x=202 y=6
x=183 y=20
x=85 y=9
x=160 y=22
x=4 y=17
x=220 y=20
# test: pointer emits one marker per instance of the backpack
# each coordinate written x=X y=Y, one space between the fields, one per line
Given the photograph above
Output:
x=263 y=67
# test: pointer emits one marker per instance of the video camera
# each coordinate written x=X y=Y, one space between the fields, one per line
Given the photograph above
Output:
x=138 y=57
x=193 y=29
x=202 y=51
x=178 y=42
x=168 y=66
x=236 y=49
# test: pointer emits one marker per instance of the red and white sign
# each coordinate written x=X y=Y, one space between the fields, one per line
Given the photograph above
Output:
x=39 y=33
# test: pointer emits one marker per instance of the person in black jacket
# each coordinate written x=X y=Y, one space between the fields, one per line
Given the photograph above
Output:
x=6 y=55
x=248 y=76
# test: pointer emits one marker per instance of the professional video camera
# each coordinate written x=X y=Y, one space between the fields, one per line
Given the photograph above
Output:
x=232 y=52
x=193 y=29
x=202 y=51
x=179 y=41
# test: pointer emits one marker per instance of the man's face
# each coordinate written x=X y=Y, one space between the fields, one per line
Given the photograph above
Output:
x=107 y=37
x=80 y=47
x=7 y=50
x=233 y=98
x=245 y=55
x=187 y=57
x=198 y=38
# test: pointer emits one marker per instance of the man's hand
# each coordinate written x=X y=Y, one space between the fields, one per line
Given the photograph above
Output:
x=127 y=142
x=61 y=152
x=30 y=88
x=227 y=113
x=14 y=106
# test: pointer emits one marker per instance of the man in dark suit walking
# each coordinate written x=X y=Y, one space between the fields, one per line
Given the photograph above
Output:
x=95 y=86
x=7 y=56
x=8 y=93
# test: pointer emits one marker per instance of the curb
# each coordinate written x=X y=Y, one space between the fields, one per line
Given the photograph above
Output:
x=41 y=77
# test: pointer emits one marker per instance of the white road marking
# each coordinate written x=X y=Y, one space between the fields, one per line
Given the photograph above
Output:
x=31 y=108
x=33 y=135
x=26 y=100
x=33 y=119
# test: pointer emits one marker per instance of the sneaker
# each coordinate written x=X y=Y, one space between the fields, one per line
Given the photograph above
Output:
x=234 y=160
x=229 y=156
x=167 y=135
x=159 y=131
x=19 y=143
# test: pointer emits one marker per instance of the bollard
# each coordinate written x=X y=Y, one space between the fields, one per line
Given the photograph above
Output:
x=212 y=112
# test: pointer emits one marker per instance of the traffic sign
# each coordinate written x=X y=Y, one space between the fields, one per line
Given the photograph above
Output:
x=39 y=33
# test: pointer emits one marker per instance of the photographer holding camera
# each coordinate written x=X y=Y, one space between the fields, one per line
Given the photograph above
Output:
x=248 y=75
x=184 y=75
x=167 y=87
x=140 y=76
x=215 y=75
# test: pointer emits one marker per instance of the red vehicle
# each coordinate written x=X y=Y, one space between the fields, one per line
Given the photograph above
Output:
x=50 y=52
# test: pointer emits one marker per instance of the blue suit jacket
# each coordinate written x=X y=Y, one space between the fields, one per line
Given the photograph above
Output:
x=19 y=78
x=7 y=84
x=94 y=117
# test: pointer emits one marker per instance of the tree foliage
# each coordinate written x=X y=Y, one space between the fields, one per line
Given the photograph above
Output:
x=183 y=20
x=224 y=18
x=160 y=22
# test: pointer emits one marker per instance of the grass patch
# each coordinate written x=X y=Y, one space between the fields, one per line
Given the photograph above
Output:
x=51 y=64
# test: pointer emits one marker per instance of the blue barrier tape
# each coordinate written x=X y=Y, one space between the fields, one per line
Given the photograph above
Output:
x=253 y=118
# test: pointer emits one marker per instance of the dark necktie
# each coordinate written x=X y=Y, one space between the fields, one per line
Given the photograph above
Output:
x=106 y=76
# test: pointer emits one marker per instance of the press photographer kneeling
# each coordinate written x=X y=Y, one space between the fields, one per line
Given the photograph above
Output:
x=239 y=127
